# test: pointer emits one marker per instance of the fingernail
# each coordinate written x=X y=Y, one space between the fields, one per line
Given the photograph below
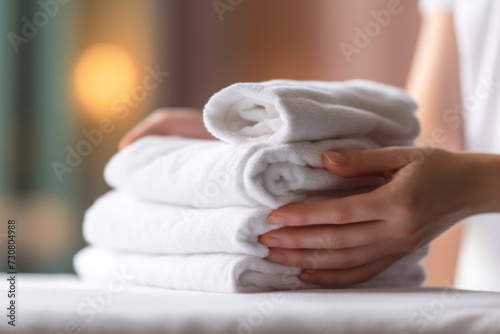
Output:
x=271 y=242
x=308 y=277
x=276 y=257
x=276 y=220
x=335 y=158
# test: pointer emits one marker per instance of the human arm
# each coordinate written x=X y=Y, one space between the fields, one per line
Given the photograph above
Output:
x=367 y=233
x=434 y=82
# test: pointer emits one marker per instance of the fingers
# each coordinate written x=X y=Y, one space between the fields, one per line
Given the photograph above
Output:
x=353 y=163
x=326 y=236
x=156 y=123
x=184 y=122
x=330 y=258
x=346 y=277
x=351 y=209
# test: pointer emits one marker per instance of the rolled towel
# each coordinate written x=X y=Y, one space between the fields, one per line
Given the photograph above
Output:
x=213 y=174
x=284 y=111
x=219 y=272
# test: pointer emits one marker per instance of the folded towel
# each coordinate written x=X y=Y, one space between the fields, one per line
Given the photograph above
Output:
x=213 y=174
x=201 y=272
x=284 y=111
x=220 y=272
x=156 y=234
x=120 y=222
x=187 y=213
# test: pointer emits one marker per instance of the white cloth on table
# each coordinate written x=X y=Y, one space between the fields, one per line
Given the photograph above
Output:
x=62 y=303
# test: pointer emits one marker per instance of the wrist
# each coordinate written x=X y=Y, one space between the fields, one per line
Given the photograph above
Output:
x=486 y=191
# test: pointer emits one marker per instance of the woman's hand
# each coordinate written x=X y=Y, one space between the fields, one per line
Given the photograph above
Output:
x=350 y=240
x=183 y=122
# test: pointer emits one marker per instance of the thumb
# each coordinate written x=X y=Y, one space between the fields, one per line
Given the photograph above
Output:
x=352 y=163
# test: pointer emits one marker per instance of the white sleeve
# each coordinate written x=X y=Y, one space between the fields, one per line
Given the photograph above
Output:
x=427 y=6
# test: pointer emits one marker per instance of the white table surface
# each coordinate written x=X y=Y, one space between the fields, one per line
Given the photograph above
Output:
x=63 y=304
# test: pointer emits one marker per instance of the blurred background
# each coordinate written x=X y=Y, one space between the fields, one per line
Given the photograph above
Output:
x=73 y=82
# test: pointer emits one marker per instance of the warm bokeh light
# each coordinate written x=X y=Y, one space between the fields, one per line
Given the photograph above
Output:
x=104 y=73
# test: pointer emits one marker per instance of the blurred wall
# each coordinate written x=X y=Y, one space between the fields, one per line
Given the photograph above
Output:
x=66 y=68
x=117 y=32
x=208 y=47
x=37 y=123
x=86 y=64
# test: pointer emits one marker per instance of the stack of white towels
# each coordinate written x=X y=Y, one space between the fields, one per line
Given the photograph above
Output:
x=187 y=213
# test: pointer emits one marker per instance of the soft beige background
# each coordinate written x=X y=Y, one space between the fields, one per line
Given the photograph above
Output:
x=262 y=39
x=255 y=40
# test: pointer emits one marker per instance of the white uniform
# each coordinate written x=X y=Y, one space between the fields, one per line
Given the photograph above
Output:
x=477 y=24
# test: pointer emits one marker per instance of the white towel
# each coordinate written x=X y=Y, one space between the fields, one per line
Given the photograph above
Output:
x=209 y=199
x=284 y=111
x=220 y=272
x=213 y=174
x=120 y=222
x=217 y=272
x=131 y=231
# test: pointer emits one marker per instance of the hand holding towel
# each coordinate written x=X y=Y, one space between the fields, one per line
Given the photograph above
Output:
x=163 y=244
x=187 y=213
